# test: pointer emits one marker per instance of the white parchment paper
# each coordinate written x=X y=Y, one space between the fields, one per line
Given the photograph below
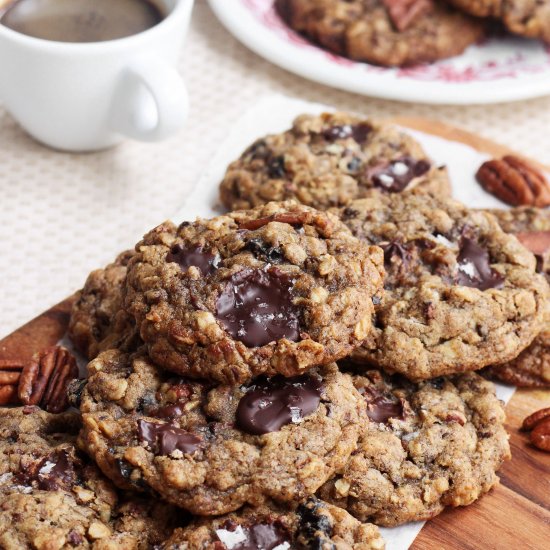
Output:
x=274 y=114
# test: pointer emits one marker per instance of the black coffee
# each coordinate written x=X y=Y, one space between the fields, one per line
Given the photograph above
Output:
x=80 y=20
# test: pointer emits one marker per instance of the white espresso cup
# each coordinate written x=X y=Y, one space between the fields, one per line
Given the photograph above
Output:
x=89 y=96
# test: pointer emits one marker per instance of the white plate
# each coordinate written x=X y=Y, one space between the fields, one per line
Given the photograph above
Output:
x=500 y=69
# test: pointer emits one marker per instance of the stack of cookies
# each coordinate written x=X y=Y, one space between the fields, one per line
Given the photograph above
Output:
x=291 y=374
x=410 y=32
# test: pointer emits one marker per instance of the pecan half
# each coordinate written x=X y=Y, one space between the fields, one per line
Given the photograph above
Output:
x=538 y=424
x=10 y=374
x=403 y=13
x=45 y=379
x=514 y=181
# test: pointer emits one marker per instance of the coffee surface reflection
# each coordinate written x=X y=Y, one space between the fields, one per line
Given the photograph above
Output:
x=80 y=20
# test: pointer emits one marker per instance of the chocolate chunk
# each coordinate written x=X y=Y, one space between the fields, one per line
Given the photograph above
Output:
x=271 y=404
x=395 y=249
x=394 y=176
x=474 y=269
x=256 y=307
x=538 y=242
x=380 y=407
x=164 y=439
x=314 y=524
x=52 y=473
x=263 y=251
x=276 y=168
x=359 y=132
x=194 y=256
x=262 y=536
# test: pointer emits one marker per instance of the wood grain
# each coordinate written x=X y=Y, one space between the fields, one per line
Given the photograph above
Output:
x=515 y=515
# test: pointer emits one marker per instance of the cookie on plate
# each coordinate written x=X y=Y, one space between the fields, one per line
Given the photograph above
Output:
x=531 y=369
x=274 y=290
x=52 y=497
x=383 y=32
x=460 y=294
x=212 y=449
x=529 y=18
x=328 y=160
x=429 y=445
x=97 y=321
x=314 y=524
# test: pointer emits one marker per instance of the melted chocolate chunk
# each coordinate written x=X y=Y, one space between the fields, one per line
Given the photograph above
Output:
x=52 y=473
x=314 y=525
x=262 y=536
x=474 y=269
x=359 y=132
x=164 y=439
x=256 y=307
x=380 y=407
x=394 y=176
x=194 y=256
x=263 y=251
x=271 y=404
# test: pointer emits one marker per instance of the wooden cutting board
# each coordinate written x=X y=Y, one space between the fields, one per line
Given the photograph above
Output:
x=515 y=515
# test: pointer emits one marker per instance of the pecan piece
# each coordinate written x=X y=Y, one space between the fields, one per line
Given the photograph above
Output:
x=10 y=374
x=514 y=181
x=533 y=419
x=403 y=13
x=540 y=436
x=45 y=379
x=292 y=218
x=538 y=424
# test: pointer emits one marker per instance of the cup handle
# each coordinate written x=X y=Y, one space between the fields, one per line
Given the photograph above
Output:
x=150 y=102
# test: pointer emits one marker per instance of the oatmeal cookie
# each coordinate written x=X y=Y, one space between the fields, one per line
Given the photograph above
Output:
x=460 y=294
x=531 y=369
x=383 y=32
x=329 y=160
x=52 y=497
x=529 y=18
x=429 y=445
x=212 y=449
x=314 y=524
x=274 y=290
x=97 y=321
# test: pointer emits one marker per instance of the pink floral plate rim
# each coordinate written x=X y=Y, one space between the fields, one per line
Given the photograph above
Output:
x=520 y=67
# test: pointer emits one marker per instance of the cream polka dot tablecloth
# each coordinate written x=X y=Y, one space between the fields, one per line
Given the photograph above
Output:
x=63 y=215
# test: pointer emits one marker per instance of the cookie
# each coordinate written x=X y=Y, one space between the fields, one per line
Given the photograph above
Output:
x=53 y=497
x=460 y=294
x=314 y=524
x=274 y=290
x=429 y=445
x=383 y=32
x=531 y=369
x=328 y=160
x=97 y=321
x=529 y=18
x=212 y=449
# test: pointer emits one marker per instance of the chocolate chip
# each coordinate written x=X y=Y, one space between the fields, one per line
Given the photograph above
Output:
x=164 y=439
x=381 y=407
x=313 y=524
x=474 y=269
x=193 y=256
x=354 y=164
x=256 y=307
x=276 y=168
x=271 y=404
x=265 y=252
x=394 y=176
x=75 y=538
x=261 y=536
x=359 y=132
